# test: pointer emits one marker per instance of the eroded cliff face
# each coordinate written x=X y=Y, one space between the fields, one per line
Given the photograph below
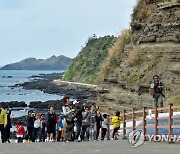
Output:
x=155 y=49
x=163 y=25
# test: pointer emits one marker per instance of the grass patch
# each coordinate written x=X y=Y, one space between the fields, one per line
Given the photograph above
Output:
x=114 y=56
x=135 y=57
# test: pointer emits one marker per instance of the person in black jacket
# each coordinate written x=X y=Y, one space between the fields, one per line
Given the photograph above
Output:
x=78 y=109
x=8 y=126
x=158 y=88
x=30 y=125
x=98 y=122
x=51 y=120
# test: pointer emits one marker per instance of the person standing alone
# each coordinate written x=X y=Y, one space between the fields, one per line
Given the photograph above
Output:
x=157 y=87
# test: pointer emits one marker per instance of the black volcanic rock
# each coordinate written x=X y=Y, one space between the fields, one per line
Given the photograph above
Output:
x=44 y=83
x=52 y=63
x=56 y=104
x=13 y=104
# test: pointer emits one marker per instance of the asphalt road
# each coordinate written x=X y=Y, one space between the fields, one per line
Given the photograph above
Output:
x=93 y=147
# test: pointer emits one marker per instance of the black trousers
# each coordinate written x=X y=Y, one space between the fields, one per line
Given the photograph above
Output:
x=114 y=132
x=103 y=133
x=30 y=133
x=7 y=133
x=20 y=140
x=78 y=125
x=97 y=133
x=2 y=132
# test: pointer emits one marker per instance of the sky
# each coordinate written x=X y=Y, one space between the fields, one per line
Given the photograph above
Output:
x=42 y=28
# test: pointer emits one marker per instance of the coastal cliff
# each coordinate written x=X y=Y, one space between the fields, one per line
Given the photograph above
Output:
x=151 y=46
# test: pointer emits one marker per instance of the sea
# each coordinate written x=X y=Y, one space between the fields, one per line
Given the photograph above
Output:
x=9 y=78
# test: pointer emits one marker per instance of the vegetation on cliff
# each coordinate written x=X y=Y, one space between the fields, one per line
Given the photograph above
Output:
x=85 y=66
x=114 y=57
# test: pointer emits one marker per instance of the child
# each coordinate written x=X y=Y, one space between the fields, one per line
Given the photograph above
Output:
x=43 y=128
x=37 y=128
x=20 y=132
x=116 y=124
x=104 y=126
x=59 y=129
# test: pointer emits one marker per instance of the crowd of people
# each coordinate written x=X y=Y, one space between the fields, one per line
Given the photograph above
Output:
x=77 y=122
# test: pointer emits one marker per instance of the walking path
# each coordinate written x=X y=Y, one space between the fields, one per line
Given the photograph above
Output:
x=93 y=147
x=59 y=82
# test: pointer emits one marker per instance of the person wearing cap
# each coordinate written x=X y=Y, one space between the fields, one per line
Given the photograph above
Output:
x=78 y=118
x=158 y=88
x=3 y=123
x=68 y=120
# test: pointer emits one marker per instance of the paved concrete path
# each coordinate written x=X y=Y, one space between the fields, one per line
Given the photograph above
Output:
x=93 y=147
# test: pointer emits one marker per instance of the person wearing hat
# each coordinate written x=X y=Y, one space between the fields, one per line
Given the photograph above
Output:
x=78 y=118
x=3 y=123
x=158 y=91
x=68 y=120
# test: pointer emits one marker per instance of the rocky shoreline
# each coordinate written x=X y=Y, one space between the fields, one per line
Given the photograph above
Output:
x=44 y=83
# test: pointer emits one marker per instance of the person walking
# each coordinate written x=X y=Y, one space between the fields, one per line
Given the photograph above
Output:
x=157 y=87
x=116 y=124
x=3 y=123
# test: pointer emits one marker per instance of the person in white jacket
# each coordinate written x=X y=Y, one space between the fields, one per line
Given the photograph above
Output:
x=68 y=120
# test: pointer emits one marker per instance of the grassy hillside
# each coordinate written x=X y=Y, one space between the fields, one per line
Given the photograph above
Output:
x=85 y=66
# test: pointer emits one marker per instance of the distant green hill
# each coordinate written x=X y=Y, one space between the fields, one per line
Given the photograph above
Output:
x=85 y=66
x=52 y=63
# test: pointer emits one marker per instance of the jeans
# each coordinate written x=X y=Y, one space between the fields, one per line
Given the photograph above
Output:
x=85 y=129
x=92 y=131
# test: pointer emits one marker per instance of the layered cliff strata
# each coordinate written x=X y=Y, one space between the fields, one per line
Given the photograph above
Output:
x=163 y=25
